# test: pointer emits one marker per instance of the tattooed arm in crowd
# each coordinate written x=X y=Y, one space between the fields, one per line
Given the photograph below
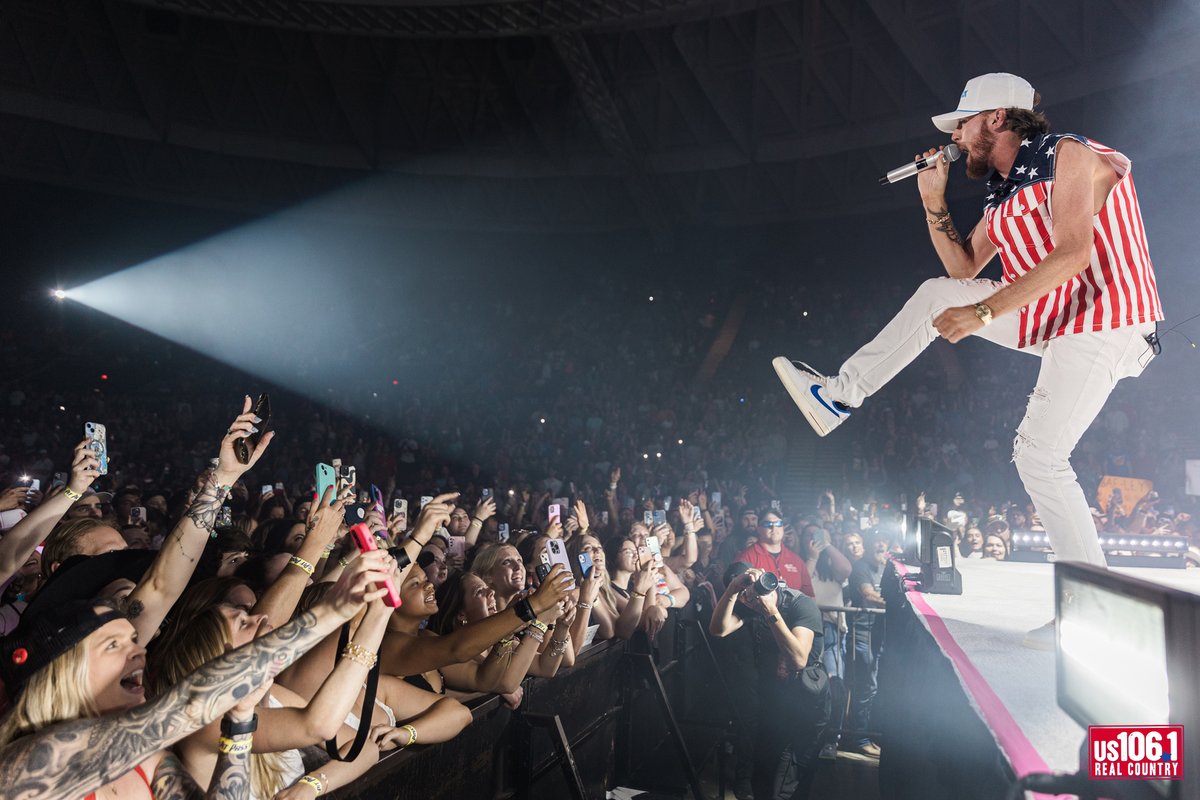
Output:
x=71 y=759
x=167 y=577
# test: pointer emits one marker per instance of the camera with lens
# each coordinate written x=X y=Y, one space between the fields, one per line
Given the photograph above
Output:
x=766 y=583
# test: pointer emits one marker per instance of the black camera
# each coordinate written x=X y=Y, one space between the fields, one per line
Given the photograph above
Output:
x=766 y=583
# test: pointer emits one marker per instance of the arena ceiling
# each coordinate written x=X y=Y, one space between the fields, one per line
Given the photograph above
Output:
x=539 y=114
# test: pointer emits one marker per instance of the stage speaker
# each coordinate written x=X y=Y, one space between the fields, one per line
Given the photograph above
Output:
x=937 y=555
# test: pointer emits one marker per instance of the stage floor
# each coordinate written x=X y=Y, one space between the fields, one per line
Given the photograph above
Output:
x=1012 y=687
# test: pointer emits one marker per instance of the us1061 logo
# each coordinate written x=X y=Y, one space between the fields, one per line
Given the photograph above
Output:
x=1135 y=752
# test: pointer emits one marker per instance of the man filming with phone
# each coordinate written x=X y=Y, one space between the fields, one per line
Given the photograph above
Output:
x=792 y=693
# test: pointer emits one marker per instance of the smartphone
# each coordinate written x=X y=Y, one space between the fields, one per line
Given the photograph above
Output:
x=60 y=479
x=554 y=513
x=377 y=500
x=425 y=500
x=99 y=444
x=585 y=565
x=556 y=549
x=502 y=532
x=697 y=514
x=399 y=506
x=659 y=517
x=366 y=543
x=34 y=485
x=244 y=447
x=224 y=517
x=266 y=489
x=326 y=478
x=488 y=493
x=543 y=569
x=666 y=504
x=562 y=501
x=458 y=547
x=648 y=518
x=604 y=517
x=347 y=479
x=279 y=486
x=137 y=515
x=655 y=549
x=714 y=499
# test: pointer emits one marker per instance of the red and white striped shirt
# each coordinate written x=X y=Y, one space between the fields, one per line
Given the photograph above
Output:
x=1117 y=287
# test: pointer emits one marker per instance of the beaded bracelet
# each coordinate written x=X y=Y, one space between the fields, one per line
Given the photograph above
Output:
x=557 y=647
x=297 y=561
x=71 y=494
x=314 y=783
x=360 y=655
x=536 y=635
x=233 y=747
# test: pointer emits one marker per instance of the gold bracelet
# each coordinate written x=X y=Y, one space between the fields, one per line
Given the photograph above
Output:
x=233 y=747
x=315 y=783
x=297 y=561
x=637 y=594
x=71 y=494
x=412 y=736
x=360 y=655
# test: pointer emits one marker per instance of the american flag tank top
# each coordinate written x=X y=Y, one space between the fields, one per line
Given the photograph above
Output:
x=1117 y=287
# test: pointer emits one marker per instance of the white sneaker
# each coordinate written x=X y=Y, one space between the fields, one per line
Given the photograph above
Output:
x=808 y=392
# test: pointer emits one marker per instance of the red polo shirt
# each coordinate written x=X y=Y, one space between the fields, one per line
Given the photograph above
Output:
x=787 y=565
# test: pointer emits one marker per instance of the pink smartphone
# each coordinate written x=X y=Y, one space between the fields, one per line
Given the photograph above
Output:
x=554 y=513
x=458 y=547
x=366 y=543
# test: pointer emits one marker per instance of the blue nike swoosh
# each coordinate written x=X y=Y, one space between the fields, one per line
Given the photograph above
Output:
x=816 y=387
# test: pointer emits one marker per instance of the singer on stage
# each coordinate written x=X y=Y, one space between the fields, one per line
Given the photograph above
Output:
x=1078 y=290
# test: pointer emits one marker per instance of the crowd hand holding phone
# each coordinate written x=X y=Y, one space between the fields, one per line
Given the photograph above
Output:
x=434 y=515
x=13 y=497
x=547 y=600
x=687 y=515
x=229 y=467
x=485 y=509
x=325 y=518
x=554 y=530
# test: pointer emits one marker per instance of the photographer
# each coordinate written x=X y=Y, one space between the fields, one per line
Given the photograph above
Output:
x=786 y=639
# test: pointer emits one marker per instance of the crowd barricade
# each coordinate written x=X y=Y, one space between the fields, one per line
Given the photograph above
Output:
x=631 y=713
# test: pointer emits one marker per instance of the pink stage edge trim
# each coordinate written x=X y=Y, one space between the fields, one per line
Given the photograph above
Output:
x=1022 y=755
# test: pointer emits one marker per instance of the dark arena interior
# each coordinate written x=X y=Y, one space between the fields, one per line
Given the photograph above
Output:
x=550 y=399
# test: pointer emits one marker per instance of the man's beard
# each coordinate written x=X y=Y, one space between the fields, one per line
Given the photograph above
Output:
x=979 y=157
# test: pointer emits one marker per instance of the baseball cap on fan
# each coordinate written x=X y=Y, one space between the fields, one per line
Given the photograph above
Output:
x=985 y=92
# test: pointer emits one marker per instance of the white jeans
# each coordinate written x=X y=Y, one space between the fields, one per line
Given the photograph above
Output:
x=1077 y=375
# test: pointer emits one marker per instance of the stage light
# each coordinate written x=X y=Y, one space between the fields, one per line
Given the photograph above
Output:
x=651 y=298
x=805 y=314
x=104 y=376
x=542 y=420
x=24 y=479
x=658 y=455
x=681 y=441
x=59 y=294
x=645 y=455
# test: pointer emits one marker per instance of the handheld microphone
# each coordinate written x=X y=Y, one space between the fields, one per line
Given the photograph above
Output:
x=950 y=151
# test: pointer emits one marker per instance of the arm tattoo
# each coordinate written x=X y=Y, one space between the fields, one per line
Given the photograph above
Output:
x=203 y=510
x=70 y=759
x=230 y=780
x=941 y=221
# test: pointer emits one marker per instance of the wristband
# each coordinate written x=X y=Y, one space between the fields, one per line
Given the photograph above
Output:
x=538 y=625
x=297 y=561
x=232 y=728
x=584 y=606
x=71 y=494
x=524 y=610
x=612 y=486
x=235 y=748
x=401 y=556
x=315 y=783
x=343 y=563
x=412 y=736
x=671 y=599
x=636 y=593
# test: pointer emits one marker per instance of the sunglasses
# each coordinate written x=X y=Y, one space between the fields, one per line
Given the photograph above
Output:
x=773 y=524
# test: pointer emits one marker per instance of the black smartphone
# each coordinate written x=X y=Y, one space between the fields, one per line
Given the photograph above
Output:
x=242 y=448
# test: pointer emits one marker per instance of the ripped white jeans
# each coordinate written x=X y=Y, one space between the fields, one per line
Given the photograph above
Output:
x=1077 y=375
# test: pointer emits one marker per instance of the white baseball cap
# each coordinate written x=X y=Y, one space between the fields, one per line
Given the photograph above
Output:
x=985 y=92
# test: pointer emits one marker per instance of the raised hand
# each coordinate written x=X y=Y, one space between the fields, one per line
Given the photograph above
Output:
x=360 y=583
x=229 y=469
x=485 y=509
x=582 y=515
x=435 y=513
x=553 y=591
